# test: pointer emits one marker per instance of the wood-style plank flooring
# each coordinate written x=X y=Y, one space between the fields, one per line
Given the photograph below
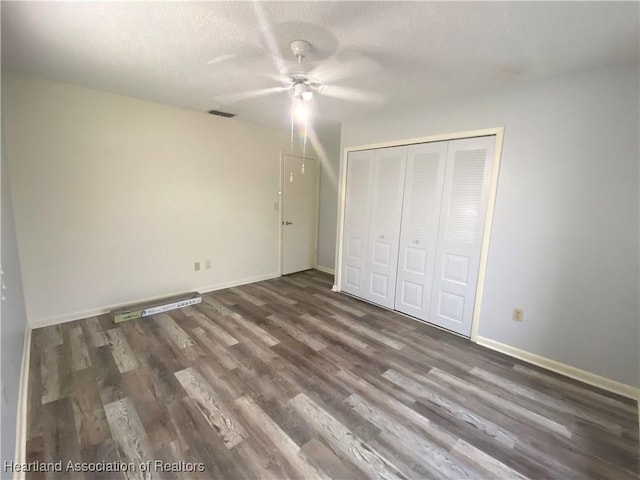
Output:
x=285 y=379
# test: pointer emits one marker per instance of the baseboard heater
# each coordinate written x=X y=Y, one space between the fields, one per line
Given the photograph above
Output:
x=152 y=307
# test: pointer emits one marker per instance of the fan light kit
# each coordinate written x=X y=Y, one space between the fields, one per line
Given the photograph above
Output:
x=302 y=91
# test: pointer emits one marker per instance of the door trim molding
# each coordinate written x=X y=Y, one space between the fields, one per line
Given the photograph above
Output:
x=486 y=237
x=23 y=404
x=498 y=132
x=280 y=208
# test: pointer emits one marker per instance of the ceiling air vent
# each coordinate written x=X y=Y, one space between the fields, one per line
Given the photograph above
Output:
x=222 y=114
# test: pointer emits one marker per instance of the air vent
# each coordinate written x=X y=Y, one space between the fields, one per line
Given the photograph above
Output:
x=222 y=114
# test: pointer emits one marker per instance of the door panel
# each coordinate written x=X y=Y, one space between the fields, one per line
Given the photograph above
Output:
x=419 y=231
x=300 y=214
x=352 y=277
x=455 y=268
x=451 y=306
x=356 y=222
x=411 y=294
x=354 y=247
x=386 y=205
x=379 y=286
x=415 y=260
x=462 y=218
x=382 y=253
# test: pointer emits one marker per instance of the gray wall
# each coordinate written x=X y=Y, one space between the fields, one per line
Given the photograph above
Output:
x=328 y=151
x=564 y=244
x=12 y=326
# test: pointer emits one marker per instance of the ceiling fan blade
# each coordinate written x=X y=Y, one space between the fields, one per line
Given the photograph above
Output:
x=284 y=80
x=268 y=35
x=346 y=93
x=331 y=71
x=222 y=58
x=236 y=97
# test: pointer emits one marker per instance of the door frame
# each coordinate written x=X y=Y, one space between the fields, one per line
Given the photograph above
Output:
x=498 y=132
x=281 y=200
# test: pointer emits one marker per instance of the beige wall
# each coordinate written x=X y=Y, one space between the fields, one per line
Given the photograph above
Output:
x=116 y=198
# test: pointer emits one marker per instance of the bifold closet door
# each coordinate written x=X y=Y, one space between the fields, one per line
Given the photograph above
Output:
x=419 y=228
x=356 y=222
x=384 y=224
x=460 y=234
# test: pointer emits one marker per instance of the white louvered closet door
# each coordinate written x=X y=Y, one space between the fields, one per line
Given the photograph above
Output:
x=419 y=229
x=384 y=226
x=356 y=222
x=462 y=218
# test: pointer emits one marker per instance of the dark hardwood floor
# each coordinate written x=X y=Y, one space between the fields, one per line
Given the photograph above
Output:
x=285 y=379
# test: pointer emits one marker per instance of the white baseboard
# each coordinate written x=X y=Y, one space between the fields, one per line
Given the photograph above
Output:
x=564 y=369
x=237 y=283
x=70 y=317
x=328 y=270
x=23 y=404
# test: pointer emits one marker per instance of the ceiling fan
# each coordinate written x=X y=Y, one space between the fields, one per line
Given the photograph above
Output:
x=305 y=79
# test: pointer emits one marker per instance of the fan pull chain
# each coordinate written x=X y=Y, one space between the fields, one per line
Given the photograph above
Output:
x=291 y=148
x=304 y=144
x=292 y=110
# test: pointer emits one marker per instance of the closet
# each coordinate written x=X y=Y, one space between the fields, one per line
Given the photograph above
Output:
x=414 y=219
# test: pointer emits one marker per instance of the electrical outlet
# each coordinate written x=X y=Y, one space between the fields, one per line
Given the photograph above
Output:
x=207 y=264
x=518 y=314
x=196 y=266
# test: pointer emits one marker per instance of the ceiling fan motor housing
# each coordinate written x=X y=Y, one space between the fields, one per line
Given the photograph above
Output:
x=300 y=48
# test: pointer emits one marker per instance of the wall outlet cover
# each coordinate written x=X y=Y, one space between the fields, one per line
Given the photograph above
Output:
x=518 y=314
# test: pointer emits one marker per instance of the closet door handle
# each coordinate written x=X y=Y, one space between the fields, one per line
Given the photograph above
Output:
x=415 y=242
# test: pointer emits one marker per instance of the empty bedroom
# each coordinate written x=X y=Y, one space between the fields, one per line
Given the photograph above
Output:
x=338 y=240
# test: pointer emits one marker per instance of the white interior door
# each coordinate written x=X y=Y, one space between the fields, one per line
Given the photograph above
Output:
x=356 y=222
x=384 y=226
x=460 y=234
x=419 y=229
x=299 y=214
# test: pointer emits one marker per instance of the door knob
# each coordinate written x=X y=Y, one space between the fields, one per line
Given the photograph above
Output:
x=416 y=242
x=287 y=222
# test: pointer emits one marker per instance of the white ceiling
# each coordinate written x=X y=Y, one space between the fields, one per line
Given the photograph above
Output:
x=187 y=54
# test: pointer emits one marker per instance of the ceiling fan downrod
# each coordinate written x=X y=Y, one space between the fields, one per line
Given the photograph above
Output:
x=300 y=48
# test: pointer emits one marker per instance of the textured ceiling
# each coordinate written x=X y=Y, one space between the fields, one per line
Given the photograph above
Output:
x=188 y=54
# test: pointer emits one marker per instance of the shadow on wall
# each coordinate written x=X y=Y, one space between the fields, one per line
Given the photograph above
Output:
x=326 y=145
x=13 y=323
